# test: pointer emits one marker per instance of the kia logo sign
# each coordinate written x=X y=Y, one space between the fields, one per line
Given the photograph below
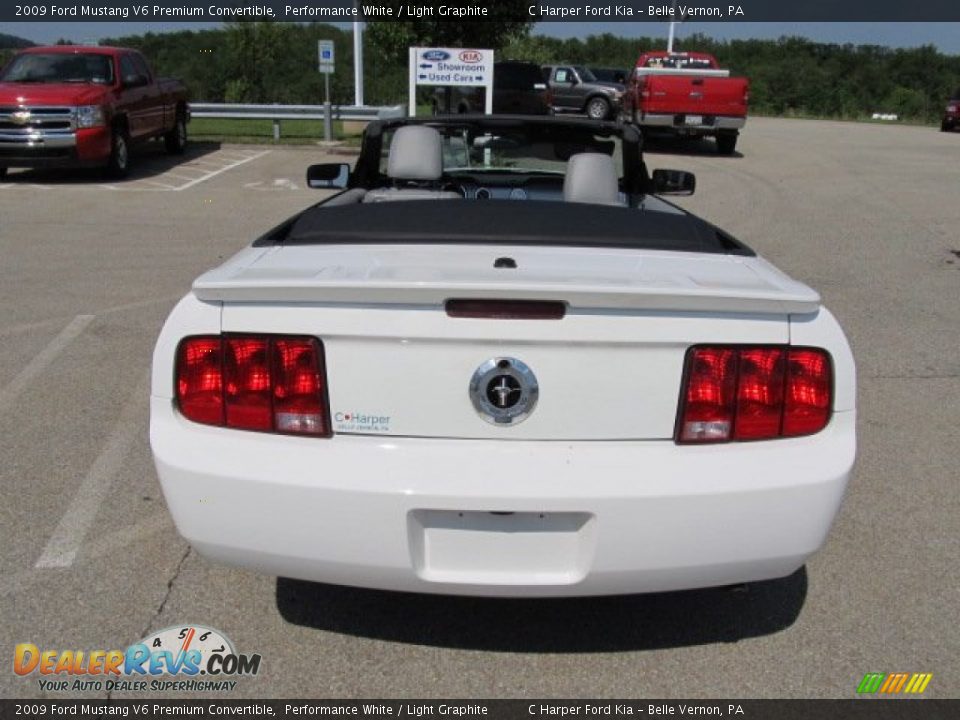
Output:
x=436 y=55
x=471 y=56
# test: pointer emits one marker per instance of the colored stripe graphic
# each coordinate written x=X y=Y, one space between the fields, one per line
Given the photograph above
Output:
x=918 y=683
x=894 y=683
x=870 y=683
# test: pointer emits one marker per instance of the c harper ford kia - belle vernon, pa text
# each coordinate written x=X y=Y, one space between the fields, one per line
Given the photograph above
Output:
x=498 y=362
x=72 y=105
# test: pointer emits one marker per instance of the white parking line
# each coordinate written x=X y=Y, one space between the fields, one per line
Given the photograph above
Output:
x=119 y=540
x=46 y=356
x=165 y=186
x=223 y=169
x=232 y=159
x=202 y=162
x=178 y=176
x=24 y=186
x=29 y=327
x=61 y=549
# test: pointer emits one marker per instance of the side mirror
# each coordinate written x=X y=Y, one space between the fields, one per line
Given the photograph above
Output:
x=674 y=182
x=328 y=175
x=133 y=81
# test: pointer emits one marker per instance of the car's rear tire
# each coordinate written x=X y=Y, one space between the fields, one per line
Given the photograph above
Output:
x=727 y=143
x=175 y=141
x=598 y=108
x=118 y=166
x=3 y=172
x=945 y=126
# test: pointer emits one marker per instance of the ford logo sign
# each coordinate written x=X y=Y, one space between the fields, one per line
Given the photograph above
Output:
x=436 y=55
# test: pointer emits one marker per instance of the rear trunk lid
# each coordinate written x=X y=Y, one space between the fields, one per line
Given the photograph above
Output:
x=399 y=365
x=686 y=94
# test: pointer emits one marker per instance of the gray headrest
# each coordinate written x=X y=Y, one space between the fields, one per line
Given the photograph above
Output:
x=591 y=178
x=416 y=153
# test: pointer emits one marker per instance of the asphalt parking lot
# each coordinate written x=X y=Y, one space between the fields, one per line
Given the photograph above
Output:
x=866 y=214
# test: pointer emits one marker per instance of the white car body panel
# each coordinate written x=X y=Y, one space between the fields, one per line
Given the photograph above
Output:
x=597 y=505
x=414 y=514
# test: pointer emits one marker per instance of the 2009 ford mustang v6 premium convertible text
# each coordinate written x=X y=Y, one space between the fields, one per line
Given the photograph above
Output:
x=499 y=363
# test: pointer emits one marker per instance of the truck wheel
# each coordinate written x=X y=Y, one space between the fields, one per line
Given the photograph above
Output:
x=726 y=143
x=598 y=108
x=176 y=140
x=118 y=165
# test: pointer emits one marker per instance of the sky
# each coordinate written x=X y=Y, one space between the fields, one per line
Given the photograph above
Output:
x=945 y=36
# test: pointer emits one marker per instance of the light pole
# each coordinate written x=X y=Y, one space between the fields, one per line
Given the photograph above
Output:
x=673 y=23
x=357 y=60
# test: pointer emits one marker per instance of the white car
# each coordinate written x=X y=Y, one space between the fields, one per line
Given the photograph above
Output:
x=498 y=363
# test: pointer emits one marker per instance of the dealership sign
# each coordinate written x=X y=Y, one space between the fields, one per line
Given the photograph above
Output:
x=451 y=67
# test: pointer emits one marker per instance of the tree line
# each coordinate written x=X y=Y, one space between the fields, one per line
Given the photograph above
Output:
x=268 y=62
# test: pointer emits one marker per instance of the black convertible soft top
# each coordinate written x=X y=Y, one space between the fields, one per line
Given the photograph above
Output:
x=503 y=222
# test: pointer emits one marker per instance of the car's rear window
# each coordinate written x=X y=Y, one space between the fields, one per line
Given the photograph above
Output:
x=680 y=63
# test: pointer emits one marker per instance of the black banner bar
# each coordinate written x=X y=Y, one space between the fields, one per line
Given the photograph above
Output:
x=860 y=709
x=480 y=10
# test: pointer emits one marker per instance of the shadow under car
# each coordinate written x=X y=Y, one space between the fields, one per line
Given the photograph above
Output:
x=561 y=625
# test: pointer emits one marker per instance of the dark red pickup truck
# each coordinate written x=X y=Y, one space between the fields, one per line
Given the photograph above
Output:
x=85 y=106
x=687 y=94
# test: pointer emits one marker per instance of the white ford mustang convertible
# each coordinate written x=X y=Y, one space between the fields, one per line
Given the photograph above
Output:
x=499 y=363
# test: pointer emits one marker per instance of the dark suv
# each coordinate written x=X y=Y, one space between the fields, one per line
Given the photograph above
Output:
x=518 y=89
x=611 y=75
x=951 y=116
x=576 y=89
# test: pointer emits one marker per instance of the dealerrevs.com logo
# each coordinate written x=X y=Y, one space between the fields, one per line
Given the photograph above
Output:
x=179 y=658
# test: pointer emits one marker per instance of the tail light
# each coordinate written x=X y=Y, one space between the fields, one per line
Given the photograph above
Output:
x=269 y=383
x=754 y=393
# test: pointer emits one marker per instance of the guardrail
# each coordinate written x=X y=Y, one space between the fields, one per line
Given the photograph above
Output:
x=276 y=113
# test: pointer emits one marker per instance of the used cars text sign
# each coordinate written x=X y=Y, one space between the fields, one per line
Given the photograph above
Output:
x=451 y=67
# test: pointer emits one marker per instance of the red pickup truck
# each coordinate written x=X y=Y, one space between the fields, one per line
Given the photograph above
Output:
x=85 y=106
x=687 y=94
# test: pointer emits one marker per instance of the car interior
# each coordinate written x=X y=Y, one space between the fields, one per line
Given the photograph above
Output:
x=423 y=164
x=500 y=158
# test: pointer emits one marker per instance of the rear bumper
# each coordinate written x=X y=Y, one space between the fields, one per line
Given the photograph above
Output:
x=424 y=515
x=677 y=121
